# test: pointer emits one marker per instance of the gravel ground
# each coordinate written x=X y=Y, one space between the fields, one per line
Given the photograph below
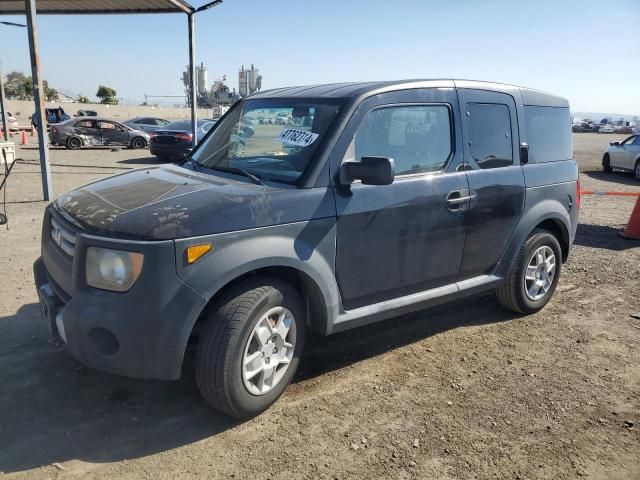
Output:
x=460 y=391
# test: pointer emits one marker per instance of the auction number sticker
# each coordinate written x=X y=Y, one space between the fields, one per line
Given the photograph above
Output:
x=299 y=138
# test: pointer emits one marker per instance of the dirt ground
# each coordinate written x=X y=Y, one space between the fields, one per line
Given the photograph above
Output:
x=462 y=391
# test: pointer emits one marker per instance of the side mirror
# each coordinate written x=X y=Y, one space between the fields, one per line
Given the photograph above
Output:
x=614 y=144
x=524 y=153
x=370 y=171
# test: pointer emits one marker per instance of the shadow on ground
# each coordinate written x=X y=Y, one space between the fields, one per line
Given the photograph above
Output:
x=619 y=178
x=54 y=409
x=601 y=236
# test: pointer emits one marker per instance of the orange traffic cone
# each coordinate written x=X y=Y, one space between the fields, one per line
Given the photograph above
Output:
x=33 y=131
x=632 y=231
x=24 y=138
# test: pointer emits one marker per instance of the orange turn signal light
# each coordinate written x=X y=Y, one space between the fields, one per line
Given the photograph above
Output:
x=194 y=252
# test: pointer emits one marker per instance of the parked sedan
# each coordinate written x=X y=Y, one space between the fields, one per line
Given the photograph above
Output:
x=147 y=124
x=623 y=155
x=606 y=129
x=82 y=132
x=175 y=141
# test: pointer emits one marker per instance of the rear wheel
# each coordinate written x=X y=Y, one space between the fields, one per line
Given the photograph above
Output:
x=534 y=275
x=73 y=143
x=250 y=347
x=606 y=163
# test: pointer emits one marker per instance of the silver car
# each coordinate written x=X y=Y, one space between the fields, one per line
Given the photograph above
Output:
x=623 y=155
x=147 y=124
x=91 y=131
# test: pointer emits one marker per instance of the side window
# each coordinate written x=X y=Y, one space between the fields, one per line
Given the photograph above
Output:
x=147 y=121
x=637 y=140
x=108 y=126
x=631 y=141
x=490 y=134
x=85 y=124
x=416 y=137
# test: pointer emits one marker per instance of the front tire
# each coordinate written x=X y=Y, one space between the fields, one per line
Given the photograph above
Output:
x=636 y=170
x=138 y=143
x=534 y=275
x=250 y=347
x=606 y=163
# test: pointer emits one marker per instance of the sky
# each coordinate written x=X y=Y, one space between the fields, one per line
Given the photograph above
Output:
x=583 y=50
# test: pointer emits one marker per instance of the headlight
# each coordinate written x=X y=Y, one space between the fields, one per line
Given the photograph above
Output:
x=114 y=270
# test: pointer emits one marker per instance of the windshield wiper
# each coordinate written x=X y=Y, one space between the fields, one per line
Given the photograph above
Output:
x=239 y=171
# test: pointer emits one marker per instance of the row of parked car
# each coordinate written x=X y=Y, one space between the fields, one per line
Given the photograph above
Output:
x=602 y=128
x=166 y=140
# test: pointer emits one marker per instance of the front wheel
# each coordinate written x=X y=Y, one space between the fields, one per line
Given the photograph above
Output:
x=636 y=170
x=534 y=275
x=606 y=163
x=138 y=143
x=250 y=347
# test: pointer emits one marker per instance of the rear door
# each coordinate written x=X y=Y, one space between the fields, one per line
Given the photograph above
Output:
x=496 y=180
x=406 y=237
x=113 y=133
x=89 y=130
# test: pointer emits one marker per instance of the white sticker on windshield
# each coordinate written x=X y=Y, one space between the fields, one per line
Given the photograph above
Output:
x=299 y=138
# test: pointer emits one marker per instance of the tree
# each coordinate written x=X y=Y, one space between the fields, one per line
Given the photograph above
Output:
x=107 y=95
x=83 y=99
x=20 y=87
x=50 y=94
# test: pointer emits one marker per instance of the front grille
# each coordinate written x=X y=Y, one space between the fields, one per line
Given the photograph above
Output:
x=64 y=238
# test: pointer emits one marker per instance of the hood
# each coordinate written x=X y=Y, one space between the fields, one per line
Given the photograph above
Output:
x=169 y=202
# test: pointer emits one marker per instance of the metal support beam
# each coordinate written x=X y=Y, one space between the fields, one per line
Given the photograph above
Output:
x=4 y=109
x=38 y=97
x=192 y=78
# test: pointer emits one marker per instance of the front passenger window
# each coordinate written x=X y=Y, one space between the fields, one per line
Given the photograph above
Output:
x=417 y=138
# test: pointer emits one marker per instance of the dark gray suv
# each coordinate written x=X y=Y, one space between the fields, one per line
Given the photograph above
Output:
x=372 y=200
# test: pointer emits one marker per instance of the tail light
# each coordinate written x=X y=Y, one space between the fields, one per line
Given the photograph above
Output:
x=578 y=194
x=184 y=137
x=54 y=130
x=153 y=135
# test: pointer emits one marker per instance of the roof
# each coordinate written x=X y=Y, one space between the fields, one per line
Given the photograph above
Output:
x=358 y=89
x=66 y=7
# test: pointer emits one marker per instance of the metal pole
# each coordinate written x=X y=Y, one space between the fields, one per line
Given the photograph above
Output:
x=4 y=109
x=38 y=97
x=192 y=78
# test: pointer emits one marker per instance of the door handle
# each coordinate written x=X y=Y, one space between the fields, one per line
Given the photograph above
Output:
x=457 y=199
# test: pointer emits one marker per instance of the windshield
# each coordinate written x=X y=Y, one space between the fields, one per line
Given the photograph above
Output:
x=272 y=139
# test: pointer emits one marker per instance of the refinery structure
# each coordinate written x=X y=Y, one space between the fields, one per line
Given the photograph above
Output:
x=218 y=94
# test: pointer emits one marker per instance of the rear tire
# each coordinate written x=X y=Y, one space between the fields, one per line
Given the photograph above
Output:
x=606 y=163
x=74 y=143
x=530 y=285
x=231 y=346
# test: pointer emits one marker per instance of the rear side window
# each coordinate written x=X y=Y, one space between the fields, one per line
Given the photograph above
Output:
x=490 y=141
x=417 y=138
x=548 y=133
x=85 y=124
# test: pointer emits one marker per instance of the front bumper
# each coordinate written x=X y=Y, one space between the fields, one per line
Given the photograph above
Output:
x=142 y=333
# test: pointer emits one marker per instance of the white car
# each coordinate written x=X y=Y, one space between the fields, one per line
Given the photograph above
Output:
x=606 y=129
x=623 y=155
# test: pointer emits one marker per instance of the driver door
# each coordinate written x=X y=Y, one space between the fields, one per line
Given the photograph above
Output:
x=407 y=237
